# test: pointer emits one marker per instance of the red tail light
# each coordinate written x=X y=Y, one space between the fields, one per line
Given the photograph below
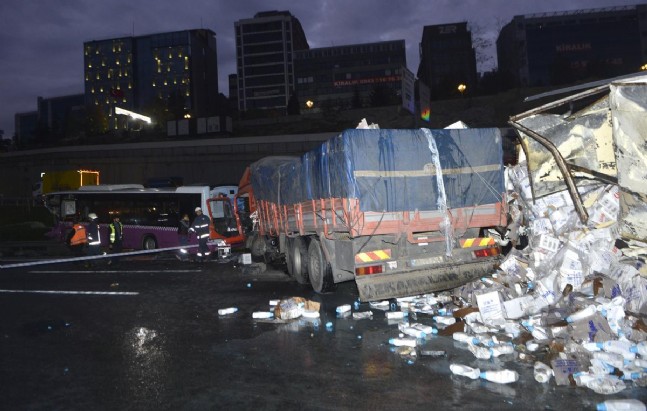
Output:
x=486 y=252
x=373 y=269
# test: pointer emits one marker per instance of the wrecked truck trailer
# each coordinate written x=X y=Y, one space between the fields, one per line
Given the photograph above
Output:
x=400 y=212
x=602 y=141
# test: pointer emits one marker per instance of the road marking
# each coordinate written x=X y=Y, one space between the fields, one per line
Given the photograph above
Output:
x=71 y=292
x=110 y=271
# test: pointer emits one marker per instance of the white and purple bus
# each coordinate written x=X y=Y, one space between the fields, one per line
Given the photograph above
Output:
x=150 y=216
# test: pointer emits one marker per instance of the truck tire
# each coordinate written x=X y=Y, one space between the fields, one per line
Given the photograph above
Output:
x=258 y=247
x=319 y=269
x=288 y=256
x=299 y=260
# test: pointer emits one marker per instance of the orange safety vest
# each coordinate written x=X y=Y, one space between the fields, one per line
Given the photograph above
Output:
x=79 y=236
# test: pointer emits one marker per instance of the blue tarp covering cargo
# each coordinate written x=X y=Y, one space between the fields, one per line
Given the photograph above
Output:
x=390 y=170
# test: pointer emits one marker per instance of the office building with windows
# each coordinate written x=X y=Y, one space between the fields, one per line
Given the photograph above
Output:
x=447 y=60
x=350 y=76
x=174 y=72
x=265 y=47
x=566 y=46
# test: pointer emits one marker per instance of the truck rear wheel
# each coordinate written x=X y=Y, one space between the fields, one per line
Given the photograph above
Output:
x=288 y=256
x=319 y=269
x=299 y=260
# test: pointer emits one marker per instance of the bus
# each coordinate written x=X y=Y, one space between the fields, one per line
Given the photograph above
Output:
x=150 y=216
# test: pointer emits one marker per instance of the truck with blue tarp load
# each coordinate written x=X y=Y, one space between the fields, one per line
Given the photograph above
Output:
x=400 y=212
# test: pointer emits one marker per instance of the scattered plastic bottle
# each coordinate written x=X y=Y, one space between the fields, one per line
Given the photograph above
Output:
x=262 y=314
x=465 y=337
x=606 y=384
x=640 y=348
x=403 y=342
x=465 y=371
x=395 y=315
x=542 y=372
x=624 y=348
x=445 y=319
x=310 y=314
x=356 y=305
x=226 y=311
x=343 y=309
x=411 y=331
x=628 y=404
x=500 y=376
x=368 y=315
x=581 y=314
x=329 y=326
x=427 y=329
x=611 y=358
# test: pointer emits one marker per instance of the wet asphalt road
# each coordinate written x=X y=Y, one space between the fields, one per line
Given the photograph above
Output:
x=150 y=337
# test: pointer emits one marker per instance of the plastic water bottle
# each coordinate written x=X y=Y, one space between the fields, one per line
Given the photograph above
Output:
x=427 y=329
x=403 y=342
x=225 y=311
x=624 y=348
x=262 y=314
x=542 y=372
x=465 y=371
x=328 y=326
x=641 y=348
x=610 y=358
x=628 y=404
x=465 y=338
x=395 y=315
x=501 y=349
x=444 y=319
x=343 y=309
x=500 y=376
x=411 y=331
x=356 y=304
x=581 y=314
x=606 y=384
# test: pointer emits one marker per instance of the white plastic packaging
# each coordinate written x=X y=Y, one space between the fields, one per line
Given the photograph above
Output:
x=628 y=404
x=262 y=314
x=445 y=319
x=395 y=315
x=500 y=376
x=410 y=331
x=310 y=314
x=581 y=314
x=343 y=309
x=225 y=311
x=465 y=371
x=542 y=372
x=403 y=342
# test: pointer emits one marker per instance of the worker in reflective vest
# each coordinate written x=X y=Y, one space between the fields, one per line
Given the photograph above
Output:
x=94 y=238
x=201 y=228
x=77 y=239
x=116 y=238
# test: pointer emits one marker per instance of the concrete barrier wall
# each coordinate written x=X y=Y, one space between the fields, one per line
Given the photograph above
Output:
x=210 y=162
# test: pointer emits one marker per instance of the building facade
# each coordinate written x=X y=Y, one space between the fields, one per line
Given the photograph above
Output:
x=177 y=71
x=447 y=60
x=563 y=47
x=54 y=119
x=350 y=76
x=265 y=47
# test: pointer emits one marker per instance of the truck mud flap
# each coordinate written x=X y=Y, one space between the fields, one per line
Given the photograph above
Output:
x=393 y=285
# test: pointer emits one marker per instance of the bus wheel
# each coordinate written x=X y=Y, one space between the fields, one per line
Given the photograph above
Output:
x=149 y=243
x=319 y=269
x=299 y=256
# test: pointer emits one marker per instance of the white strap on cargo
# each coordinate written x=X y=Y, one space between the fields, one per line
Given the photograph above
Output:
x=442 y=196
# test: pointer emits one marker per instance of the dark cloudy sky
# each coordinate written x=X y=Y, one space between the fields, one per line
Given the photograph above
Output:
x=41 y=41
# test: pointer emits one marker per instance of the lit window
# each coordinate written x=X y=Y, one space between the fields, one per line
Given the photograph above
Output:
x=98 y=76
x=89 y=65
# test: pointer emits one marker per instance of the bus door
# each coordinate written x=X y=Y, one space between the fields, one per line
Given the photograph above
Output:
x=225 y=224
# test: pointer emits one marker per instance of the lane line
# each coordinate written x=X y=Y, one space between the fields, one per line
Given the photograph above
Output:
x=110 y=271
x=71 y=292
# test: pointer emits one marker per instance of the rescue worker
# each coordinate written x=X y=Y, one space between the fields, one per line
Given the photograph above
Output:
x=116 y=238
x=77 y=239
x=94 y=238
x=201 y=228
x=183 y=236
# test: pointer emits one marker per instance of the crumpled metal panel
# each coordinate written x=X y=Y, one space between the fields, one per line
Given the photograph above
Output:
x=628 y=101
x=584 y=139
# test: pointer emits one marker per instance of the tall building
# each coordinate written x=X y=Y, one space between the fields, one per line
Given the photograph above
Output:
x=343 y=77
x=265 y=47
x=54 y=119
x=175 y=70
x=563 y=47
x=447 y=60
